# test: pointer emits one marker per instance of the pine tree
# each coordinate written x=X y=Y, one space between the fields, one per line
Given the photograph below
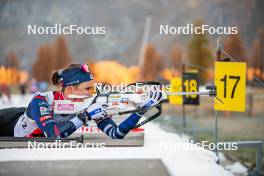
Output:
x=199 y=53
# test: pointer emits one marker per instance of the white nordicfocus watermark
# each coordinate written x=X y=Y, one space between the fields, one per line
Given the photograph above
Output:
x=167 y=145
x=58 y=144
x=192 y=29
x=58 y=29
x=124 y=88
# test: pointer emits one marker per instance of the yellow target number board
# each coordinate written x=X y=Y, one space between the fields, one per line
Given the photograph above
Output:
x=175 y=86
x=230 y=81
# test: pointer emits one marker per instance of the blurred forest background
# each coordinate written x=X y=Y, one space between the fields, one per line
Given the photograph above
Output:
x=25 y=57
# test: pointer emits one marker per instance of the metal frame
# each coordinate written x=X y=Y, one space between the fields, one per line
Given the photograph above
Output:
x=258 y=145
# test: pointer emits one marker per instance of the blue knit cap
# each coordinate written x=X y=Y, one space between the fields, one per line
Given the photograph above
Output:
x=75 y=76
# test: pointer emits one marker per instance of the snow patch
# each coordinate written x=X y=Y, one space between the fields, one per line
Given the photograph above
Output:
x=237 y=168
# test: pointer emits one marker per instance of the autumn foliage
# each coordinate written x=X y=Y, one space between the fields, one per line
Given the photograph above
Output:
x=152 y=65
x=10 y=73
x=51 y=57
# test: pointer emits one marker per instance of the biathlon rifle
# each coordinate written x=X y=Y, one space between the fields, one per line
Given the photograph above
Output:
x=123 y=103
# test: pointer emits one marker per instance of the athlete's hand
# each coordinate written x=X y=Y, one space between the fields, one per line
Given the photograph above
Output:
x=96 y=111
x=154 y=97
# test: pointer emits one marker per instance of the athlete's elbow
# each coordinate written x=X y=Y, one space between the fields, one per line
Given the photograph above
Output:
x=49 y=135
x=119 y=137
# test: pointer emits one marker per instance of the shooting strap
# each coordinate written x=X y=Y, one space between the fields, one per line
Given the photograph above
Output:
x=152 y=117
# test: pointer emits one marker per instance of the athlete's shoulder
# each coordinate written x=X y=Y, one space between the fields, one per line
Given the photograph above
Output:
x=47 y=96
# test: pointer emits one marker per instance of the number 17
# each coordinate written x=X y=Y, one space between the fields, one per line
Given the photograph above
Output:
x=224 y=79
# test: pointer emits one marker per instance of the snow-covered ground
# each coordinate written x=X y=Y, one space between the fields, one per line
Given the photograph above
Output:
x=179 y=161
x=16 y=101
x=178 y=155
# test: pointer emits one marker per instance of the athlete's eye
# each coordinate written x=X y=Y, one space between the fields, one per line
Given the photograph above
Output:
x=90 y=90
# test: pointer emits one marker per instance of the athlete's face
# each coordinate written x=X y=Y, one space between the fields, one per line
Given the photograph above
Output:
x=82 y=89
